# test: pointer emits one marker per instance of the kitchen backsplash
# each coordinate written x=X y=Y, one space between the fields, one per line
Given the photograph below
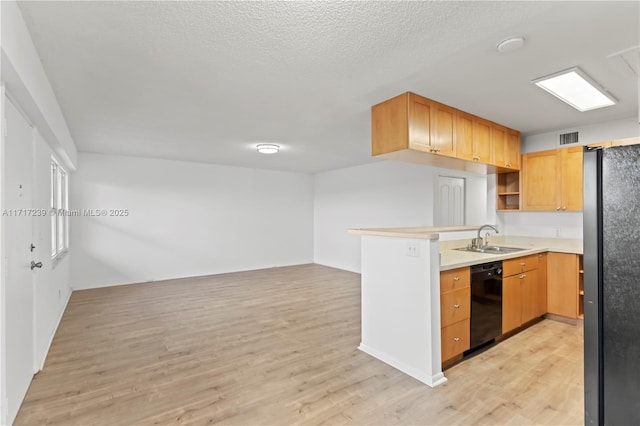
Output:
x=541 y=224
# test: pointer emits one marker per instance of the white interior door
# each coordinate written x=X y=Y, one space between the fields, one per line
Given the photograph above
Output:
x=449 y=201
x=18 y=226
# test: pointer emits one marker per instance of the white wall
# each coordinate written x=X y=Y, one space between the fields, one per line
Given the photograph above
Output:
x=51 y=289
x=542 y=224
x=381 y=194
x=186 y=219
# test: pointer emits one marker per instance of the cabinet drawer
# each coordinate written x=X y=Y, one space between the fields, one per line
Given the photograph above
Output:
x=454 y=279
x=520 y=264
x=455 y=306
x=455 y=339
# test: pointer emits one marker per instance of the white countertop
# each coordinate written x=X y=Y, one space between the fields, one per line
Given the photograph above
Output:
x=452 y=259
x=423 y=232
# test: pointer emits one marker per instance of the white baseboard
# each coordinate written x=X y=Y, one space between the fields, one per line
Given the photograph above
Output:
x=431 y=380
x=53 y=333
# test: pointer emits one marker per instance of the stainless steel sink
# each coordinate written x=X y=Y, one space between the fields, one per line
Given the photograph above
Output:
x=491 y=249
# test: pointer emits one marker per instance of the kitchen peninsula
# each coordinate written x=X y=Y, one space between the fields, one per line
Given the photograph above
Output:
x=401 y=296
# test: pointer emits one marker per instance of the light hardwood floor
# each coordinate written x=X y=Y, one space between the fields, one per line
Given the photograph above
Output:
x=278 y=346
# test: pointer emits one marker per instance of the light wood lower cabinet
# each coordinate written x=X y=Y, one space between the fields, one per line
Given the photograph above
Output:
x=562 y=284
x=542 y=284
x=455 y=312
x=520 y=292
x=455 y=339
x=455 y=306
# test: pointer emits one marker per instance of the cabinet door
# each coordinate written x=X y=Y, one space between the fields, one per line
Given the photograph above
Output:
x=455 y=279
x=455 y=306
x=499 y=145
x=464 y=136
x=513 y=149
x=571 y=179
x=511 y=303
x=443 y=129
x=530 y=284
x=419 y=123
x=482 y=141
x=540 y=177
x=456 y=339
x=542 y=284
x=562 y=284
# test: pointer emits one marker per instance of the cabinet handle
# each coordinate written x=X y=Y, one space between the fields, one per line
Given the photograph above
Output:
x=456 y=278
x=557 y=208
x=457 y=306
x=523 y=264
x=564 y=208
x=476 y=158
x=508 y=164
x=523 y=276
x=456 y=339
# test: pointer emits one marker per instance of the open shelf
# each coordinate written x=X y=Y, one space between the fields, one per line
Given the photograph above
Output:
x=508 y=191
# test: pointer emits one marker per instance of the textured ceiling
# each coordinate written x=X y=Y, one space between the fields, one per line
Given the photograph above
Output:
x=207 y=81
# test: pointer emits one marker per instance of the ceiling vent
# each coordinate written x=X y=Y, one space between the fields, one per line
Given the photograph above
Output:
x=568 y=138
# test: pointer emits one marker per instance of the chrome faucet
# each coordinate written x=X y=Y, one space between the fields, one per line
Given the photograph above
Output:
x=480 y=242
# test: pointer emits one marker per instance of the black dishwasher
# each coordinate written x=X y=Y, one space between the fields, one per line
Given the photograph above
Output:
x=486 y=303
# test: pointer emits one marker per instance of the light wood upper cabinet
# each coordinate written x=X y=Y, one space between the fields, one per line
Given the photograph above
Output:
x=540 y=178
x=443 y=129
x=499 y=145
x=513 y=149
x=407 y=126
x=419 y=123
x=552 y=180
x=482 y=148
x=473 y=138
x=619 y=142
x=464 y=136
x=571 y=178
x=506 y=147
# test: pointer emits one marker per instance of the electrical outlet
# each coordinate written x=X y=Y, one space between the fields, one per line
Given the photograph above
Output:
x=413 y=250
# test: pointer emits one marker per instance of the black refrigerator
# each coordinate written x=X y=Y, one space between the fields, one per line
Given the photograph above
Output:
x=612 y=285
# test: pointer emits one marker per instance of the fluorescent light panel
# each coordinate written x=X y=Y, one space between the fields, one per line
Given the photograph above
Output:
x=576 y=88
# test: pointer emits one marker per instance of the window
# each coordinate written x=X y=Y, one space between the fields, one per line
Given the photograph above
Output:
x=59 y=210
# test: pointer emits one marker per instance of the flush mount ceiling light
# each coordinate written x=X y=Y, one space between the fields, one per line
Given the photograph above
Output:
x=576 y=88
x=510 y=44
x=267 y=148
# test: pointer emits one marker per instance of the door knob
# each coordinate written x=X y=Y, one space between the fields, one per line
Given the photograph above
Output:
x=35 y=265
